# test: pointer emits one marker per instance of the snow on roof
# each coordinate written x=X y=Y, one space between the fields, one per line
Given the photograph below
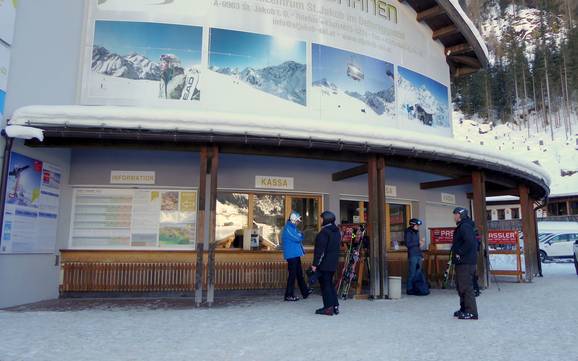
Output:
x=473 y=28
x=502 y=199
x=287 y=127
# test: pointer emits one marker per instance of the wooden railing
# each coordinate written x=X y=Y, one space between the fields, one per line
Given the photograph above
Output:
x=140 y=271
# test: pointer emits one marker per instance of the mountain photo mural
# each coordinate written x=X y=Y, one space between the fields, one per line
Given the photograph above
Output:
x=145 y=61
x=273 y=65
x=352 y=86
x=422 y=100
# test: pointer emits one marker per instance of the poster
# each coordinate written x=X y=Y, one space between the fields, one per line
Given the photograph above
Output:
x=31 y=207
x=146 y=61
x=367 y=66
x=4 y=65
x=423 y=102
x=133 y=218
x=7 y=20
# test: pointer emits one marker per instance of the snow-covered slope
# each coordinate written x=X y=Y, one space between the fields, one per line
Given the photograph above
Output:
x=559 y=156
x=409 y=96
x=133 y=66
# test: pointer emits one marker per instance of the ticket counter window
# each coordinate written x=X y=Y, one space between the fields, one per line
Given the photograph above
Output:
x=310 y=209
x=269 y=218
x=353 y=211
x=232 y=219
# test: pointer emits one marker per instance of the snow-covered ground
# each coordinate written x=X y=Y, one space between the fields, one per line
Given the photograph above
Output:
x=527 y=322
x=559 y=156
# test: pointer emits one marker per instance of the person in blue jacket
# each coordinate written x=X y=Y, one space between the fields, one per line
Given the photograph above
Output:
x=292 y=252
x=414 y=253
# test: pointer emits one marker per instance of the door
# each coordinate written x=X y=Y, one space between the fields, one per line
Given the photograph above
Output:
x=309 y=207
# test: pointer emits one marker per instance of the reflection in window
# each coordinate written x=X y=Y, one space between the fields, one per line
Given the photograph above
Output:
x=269 y=218
x=353 y=211
x=232 y=218
x=398 y=221
x=309 y=209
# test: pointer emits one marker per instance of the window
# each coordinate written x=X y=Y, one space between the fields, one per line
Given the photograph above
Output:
x=574 y=207
x=515 y=213
x=501 y=214
x=353 y=211
x=557 y=209
x=560 y=238
x=489 y=215
x=266 y=212
x=396 y=222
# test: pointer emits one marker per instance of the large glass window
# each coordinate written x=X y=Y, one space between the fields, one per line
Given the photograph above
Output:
x=574 y=207
x=501 y=214
x=557 y=209
x=232 y=219
x=269 y=218
x=397 y=221
x=310 y=210
x=353 y=211
x=515 y=213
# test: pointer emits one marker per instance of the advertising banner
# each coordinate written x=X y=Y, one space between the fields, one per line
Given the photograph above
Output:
x=31 y=207
x=7 y=19
x=361 y=63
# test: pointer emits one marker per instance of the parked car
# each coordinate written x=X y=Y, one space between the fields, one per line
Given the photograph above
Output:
x=558 y=245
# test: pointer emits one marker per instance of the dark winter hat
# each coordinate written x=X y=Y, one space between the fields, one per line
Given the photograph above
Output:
x=415 y=222
x=328 y=217
x=461 y=211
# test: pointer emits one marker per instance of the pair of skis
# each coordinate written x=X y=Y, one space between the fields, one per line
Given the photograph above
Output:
x=448 y=273
x=352 y=257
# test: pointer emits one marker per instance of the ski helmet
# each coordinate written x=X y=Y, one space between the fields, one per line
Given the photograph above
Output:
x=328 y=217
x=415 y=222
x=294 y=217
x=461 y=211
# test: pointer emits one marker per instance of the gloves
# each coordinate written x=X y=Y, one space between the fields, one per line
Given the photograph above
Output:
x=458 y=258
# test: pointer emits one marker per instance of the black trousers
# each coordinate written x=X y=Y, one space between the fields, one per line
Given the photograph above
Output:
x=327 y=289
x=464 y=284
x=295 y=273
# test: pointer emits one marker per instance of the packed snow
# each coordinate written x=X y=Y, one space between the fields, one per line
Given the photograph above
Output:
x=558 y=156
x=521 y=322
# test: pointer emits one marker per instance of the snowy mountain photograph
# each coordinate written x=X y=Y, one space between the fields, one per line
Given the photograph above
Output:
x=422 y=99
x=145 y=61
x=352 y=85
x=274 y=65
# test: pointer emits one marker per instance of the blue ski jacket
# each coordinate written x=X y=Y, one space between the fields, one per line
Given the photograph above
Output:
x=292 y=241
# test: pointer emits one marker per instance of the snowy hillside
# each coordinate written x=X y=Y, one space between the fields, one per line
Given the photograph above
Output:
x=558 y=156
x=525 y=23
x=410 y=96
x=286 y=80
x=133 y=66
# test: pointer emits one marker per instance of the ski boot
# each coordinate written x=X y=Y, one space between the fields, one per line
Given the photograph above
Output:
x=307 y=293
x=325 y=311
x=467 y=316
x=291 y=298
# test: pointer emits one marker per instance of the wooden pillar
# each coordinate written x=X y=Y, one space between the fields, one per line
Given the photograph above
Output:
x=382 y=252
x=200 y=236
x=528 y=229
x=373 y=227
x=479 y=200
x=212 y=225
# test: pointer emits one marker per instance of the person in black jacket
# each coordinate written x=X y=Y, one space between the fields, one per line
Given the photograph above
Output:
x=325 y=259
x=414 y=253
x=465 y=256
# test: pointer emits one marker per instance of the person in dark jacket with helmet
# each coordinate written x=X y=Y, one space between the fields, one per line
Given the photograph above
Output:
x=465 y=256
x=325 y=259
x=414 y=253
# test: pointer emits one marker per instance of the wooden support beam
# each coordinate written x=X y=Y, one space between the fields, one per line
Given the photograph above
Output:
x=200 y=234
x=373 y=227
x=479 y=200
x=212 y=225
x=466 y=60
x=445 y=32
x=349 y=173
x=383 y=280
x=430 y=13
x=528 y=227
x=446 y=183
x=464 y=71
x=459 y=49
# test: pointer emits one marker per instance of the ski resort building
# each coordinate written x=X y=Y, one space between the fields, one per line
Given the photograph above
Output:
x=159 y=149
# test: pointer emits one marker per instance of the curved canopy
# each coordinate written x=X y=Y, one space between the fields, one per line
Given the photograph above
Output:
x=466 y=51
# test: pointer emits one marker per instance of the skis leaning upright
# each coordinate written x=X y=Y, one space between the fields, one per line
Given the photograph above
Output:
x=349 y=267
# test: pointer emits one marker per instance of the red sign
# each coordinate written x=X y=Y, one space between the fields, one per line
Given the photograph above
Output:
x=503 y=237
x=442 y=235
